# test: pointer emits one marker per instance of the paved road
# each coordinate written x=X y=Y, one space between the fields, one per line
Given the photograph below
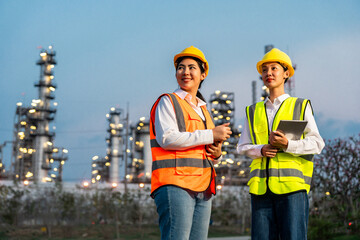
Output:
x=232 y=238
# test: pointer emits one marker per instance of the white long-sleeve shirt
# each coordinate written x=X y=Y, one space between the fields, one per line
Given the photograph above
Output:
x=167 y=131
x=311 y=144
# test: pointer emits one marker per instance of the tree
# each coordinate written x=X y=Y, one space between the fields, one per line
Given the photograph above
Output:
x=337 y=177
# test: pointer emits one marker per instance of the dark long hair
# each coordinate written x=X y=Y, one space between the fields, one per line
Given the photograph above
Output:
x=202 y=70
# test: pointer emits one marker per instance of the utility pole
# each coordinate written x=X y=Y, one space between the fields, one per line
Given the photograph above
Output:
x=126 y=146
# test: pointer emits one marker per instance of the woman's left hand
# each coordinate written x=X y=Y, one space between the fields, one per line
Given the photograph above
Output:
x=214 y=149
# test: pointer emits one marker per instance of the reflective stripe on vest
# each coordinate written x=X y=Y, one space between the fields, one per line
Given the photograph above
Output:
x=189 y=169
x=286 y=173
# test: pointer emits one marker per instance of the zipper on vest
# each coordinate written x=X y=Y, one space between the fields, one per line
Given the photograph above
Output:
x=268 y=159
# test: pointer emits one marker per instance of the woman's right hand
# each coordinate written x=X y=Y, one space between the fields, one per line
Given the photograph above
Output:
x=222 y=132
x=269 y=151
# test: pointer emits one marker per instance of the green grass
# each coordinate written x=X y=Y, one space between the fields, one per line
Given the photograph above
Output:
x=352 y=237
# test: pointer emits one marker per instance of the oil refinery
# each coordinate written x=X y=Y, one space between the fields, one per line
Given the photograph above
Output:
x=127 y=158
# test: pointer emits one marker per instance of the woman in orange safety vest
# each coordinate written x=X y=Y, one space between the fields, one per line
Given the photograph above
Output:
x=184 y=145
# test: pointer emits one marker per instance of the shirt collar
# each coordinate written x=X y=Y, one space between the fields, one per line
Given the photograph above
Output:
x=278 y=100
x=182 y=94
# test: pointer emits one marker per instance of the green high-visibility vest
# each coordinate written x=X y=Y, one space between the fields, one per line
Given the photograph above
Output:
x=285 y=173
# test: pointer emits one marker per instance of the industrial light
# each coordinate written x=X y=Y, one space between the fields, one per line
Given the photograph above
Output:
x=229 y=160
x=19 y=104
x=217 y=92
x=142 y=119
x=141 y=185
x=85 y=184
x=114 y=185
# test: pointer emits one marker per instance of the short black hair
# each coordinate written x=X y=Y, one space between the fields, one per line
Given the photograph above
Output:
x=285 y=69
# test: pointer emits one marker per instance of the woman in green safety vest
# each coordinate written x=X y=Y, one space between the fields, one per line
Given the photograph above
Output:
x=281 y=169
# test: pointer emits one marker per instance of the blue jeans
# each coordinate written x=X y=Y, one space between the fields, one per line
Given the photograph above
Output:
x=183 y=214
x=279 y=216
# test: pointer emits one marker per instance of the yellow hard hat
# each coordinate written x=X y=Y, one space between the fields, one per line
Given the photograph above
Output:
x=275 y=55
x=193 y=52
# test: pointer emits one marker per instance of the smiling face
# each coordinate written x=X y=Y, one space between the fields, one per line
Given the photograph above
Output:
x=189 y=76
x=273 y=75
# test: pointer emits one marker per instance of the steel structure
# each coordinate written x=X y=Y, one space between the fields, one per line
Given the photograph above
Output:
x=110 y=168
x=234 y=168
x=35 y=158
x=141 y=152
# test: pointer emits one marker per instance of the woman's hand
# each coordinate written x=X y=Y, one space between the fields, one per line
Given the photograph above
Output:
x=214 y=149
x=278 y=139
x=221 y=133
x=269 y=151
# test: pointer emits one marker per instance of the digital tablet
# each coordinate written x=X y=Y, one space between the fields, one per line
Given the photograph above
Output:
x=293 y=129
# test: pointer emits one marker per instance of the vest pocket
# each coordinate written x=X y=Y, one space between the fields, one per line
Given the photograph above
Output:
x=255 y=170
x=189 y=164
x=290 y=169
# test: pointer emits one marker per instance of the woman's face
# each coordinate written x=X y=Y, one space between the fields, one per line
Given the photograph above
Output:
x=188 y=75
x=273 y=75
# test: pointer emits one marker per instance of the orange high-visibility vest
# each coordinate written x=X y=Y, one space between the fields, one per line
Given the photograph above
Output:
x=191 y=168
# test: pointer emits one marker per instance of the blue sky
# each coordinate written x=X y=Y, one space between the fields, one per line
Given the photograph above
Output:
x=113 y=52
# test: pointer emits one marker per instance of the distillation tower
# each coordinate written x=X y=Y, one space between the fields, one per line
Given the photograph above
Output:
x=141 y=152
x=35 y=158
x=233 y=169
x=107 y=169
